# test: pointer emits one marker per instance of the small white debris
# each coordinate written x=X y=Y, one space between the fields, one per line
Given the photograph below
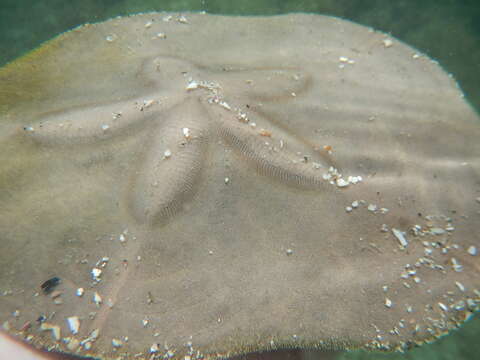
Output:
x=343 y=59
x=372 y=207
x=96 y=274
x=384 y=228
x=80 y=292
x=29 y=128
x=388 y=303
x=400 y=235
x=385 y=288
x=167 y=154
x=456 y=265
x=54 y=329
x=154 y=348
x=342 y=182
x=97 y=299
x=167 y=18
x=437 y=231
x=289 y=251
x=111 y=38
x=443 y=306
x=354 y=179
x=159 y=36
x=227 y=180
x=73 y=324
x=186 y=132
x=192 y=85
x=387 y=43
x=105 y=127
x=472 y=250
x=416 y=56
x=117 y=343
x=72 y=344
x=145 y=322
x=182 y=19
x=148 y=24
x=460 y=286
x=348 y=209
x=147 y=104
x=355 y=204
x=225 y=105
x=122 y=238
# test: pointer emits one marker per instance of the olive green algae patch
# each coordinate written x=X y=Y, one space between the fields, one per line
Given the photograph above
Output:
x=206 y=186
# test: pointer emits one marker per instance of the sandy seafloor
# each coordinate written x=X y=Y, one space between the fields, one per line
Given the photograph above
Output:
x=446 y=30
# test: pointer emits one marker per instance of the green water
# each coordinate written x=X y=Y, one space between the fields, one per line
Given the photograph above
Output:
x=447 y=30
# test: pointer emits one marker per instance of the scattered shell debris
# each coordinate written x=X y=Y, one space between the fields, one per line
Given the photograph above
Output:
x=80 y=292
x=335 y=178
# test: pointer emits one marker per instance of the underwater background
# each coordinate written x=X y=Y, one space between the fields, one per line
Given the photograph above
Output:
x=446 y=30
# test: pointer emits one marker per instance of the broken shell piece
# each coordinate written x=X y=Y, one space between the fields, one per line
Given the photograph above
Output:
x=80 y=292
x=400 y=235
x=154 y=348
x=167 y=153
x=192 y=85
x=54 y=329
x=72 y=344
x=117 y=343
x=342 y=183
x=97 y=299
x=388 y=303
x=387 y=43
x=73 y=324
x=472 y=250
x=96 y=274
x=265 y=133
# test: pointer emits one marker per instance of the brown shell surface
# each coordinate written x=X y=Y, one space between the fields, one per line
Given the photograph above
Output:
x=218 y=185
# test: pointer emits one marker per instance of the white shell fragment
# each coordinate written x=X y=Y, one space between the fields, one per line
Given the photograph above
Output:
x=117 y=343
x=387 y=43
x=80 y=292
x=388 y=303
x=96 y=273
x=73 y=324
x=472 y=250
x=400 y=235
x=54 y=329
x=97 y=299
